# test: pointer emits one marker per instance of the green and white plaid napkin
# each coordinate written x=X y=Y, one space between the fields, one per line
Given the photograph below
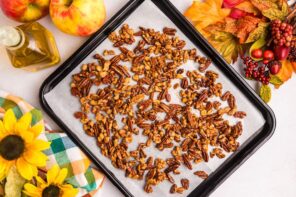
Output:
x=62 y=151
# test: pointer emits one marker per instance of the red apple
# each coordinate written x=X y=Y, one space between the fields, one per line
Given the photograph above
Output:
x=78 y=17
x=25 y=10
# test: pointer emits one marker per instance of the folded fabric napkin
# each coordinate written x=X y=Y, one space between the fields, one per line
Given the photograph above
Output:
x=62 y=152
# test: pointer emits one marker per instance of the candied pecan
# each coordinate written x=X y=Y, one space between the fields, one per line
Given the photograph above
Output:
x=187 y=161
x=170 y=178
x=148 y=188
x=173 y=188
x=79 y=115
x=188 y=129
x=184 y=83
x=201 y=174
x=180 y=190
x=239 y=114
x=185 y=183
x=169 y=31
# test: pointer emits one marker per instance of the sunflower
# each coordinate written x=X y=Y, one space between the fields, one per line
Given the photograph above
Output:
x=53 y=187
x=19 y=146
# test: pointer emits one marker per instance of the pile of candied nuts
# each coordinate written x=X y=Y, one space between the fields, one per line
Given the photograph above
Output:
x=141 y=92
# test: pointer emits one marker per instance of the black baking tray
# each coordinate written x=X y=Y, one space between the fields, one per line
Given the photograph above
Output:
x=234 y=161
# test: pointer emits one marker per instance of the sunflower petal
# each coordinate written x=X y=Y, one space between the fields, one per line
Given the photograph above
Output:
x=20 y=127
x=35 y=170
x=40 y=180
x=25 y=169
x=35 y=157
x=2 y=175
x=37 y=129
x=4 y=168
x=27 y=136
x=39 y=145
x=9 y=120
x=52 y=174
x=61 y=176
x=68 y=190
x=2 y=129
x=2 y=164
x=67 y=193
x=25 y=121
x=32 y=190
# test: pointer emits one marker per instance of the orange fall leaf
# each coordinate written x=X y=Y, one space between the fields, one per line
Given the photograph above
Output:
x=286 y=71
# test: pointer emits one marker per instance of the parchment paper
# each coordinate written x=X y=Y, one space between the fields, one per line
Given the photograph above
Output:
x=64 y=105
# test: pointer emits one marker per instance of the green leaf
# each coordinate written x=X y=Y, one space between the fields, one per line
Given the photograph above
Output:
x=275 y=80
x=265 y=93
x=260 y=32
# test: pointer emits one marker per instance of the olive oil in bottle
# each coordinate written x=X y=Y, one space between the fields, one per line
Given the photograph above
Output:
x=30 y=46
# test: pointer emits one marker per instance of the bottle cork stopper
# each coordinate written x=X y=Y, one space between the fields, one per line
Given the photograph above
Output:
x=9 y=36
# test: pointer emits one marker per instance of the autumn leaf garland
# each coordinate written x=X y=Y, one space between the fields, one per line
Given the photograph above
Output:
x=236 y=22
x=246 y=27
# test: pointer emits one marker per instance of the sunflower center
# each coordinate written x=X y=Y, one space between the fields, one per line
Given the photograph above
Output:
x=11 y=147
x=51 y=191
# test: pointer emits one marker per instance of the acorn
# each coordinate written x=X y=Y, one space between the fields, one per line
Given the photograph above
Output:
x=274 y=67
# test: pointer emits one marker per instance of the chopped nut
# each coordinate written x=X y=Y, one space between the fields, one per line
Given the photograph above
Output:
x=108 y=52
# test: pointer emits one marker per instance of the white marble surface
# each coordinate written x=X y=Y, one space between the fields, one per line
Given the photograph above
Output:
x=271 y=171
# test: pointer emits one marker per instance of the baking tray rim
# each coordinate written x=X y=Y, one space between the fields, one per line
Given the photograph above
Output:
x=233 y=162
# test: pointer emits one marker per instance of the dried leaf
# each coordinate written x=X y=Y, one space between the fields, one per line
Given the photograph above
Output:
x=14 y=183
x=275 y=80
x=272 y=9
x=265 y=93
x=241 y=27
x=286 y=71
x=247 y=6
x=294 y=66
x=260 y=32
x=203 y=14
x=224 y=42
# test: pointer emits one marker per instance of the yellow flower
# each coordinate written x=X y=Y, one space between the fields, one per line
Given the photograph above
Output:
x=19 y=146
x=54 y=187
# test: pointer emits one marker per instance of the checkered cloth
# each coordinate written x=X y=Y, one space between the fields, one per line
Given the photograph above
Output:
x=66 y=154
x=62 y=151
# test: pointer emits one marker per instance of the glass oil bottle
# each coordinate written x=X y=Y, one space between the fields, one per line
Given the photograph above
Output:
x=30 y=46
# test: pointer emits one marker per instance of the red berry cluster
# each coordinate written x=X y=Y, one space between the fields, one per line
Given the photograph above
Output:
x=293 y=44
x=292 y=55
x=282 y=33
x=256 y=72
